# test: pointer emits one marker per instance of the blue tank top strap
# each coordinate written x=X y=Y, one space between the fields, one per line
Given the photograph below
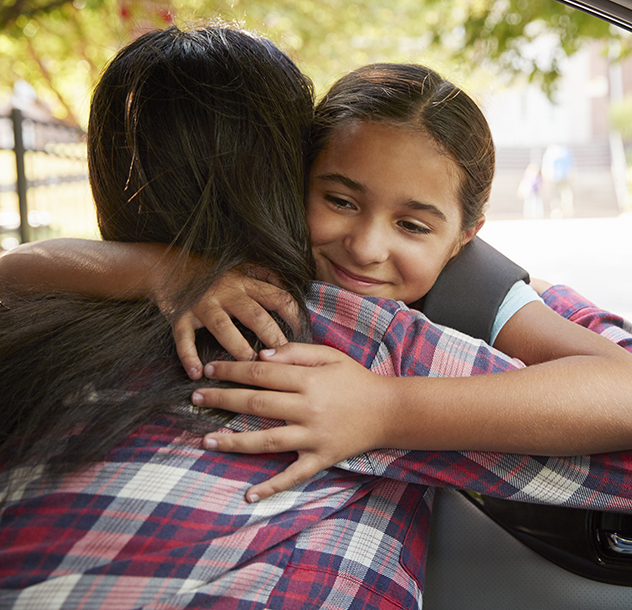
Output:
x=469 y=291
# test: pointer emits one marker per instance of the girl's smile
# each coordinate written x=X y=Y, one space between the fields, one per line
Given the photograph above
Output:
x=383 y=210
x=346 y=276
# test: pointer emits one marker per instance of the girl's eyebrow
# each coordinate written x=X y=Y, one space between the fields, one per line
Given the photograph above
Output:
x=426 y=207
x=360 y=188
x=344 y=180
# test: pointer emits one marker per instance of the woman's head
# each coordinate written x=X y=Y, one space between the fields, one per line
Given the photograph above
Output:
x=401 y=169
x=196 y=139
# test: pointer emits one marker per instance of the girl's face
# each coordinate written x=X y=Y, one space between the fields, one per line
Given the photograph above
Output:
x=383 y=211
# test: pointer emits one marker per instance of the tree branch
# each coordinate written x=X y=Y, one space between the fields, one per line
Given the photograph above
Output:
x=49 y=80
x=9 y=14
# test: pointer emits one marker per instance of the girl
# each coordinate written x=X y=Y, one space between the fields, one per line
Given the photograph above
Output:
x=401 y=172
x=402 y=163
x=402 y=169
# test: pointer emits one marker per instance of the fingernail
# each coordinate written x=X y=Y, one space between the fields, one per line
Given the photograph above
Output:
x=209 y=370
x=253 y=498
x=210 y=444
x=195 y=372
x=268 y=352
x=197 y=398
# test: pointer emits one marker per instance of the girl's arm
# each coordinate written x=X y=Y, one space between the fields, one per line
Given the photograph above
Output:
x=536 y=334
x=89 y=267
x=141 y=270
x=571 y=405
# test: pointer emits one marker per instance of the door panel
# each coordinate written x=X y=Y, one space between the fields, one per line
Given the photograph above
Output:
x=475 y=564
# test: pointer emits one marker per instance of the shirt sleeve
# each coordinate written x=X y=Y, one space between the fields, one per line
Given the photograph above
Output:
x=602 y=482
x=518 y=296
x=574 y=307
x=414 y=346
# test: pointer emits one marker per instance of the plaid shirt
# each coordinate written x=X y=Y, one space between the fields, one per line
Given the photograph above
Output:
x=162 y=524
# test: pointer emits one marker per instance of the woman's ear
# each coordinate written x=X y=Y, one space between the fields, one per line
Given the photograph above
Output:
x=469 y=234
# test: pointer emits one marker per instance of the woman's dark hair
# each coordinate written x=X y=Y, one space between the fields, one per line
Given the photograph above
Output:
x=196 y=139
x=417 y=97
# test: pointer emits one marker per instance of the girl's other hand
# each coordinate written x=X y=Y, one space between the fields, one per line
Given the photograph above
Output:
x=234 y=296
x=327 y=399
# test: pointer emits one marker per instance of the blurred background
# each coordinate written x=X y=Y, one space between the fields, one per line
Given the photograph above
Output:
x=554 y=83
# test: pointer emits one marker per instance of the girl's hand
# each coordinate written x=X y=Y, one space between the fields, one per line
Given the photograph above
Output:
x=234 y=296
x=142 y=270
x=333 y=406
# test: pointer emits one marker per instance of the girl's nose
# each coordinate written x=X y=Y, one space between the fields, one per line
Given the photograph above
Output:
x=367 y=244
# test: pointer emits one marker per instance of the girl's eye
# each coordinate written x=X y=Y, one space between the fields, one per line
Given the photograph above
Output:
x=413 y=227
x=337 y=202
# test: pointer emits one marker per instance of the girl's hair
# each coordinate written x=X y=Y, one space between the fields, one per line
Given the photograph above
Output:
x=196 y=139
x=417 y=97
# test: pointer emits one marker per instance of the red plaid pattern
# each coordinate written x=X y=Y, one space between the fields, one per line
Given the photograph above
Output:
x=162 y=524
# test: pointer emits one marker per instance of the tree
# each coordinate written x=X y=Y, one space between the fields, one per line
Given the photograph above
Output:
x=10 y=12
x=60 y=46
x=502 y=33
x=466 y=35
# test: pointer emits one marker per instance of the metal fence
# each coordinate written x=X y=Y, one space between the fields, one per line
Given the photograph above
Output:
x=44 y=188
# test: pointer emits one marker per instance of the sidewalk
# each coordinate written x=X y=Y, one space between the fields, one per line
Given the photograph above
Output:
x=593 y=255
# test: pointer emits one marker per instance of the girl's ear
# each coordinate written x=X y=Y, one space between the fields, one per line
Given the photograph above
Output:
x=469 y=234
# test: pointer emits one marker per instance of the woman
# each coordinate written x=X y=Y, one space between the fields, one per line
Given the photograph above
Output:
x=170 y=135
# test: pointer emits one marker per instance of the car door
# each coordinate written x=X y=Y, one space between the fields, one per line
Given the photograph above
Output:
x=485 y=553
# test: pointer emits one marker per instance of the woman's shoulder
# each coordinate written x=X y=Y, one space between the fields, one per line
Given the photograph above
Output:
x=352 y=323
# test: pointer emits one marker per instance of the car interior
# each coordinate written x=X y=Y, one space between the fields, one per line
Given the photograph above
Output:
x=487 y=553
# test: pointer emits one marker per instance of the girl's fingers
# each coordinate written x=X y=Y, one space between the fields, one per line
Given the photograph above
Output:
x=298 y=472
x=268 y=375
x=302 y=354
x=256 y=318
x=273 y=298
x=272 y=440
x=250 y=308
x=220 y=325
x=274 y=405
x=184 y=336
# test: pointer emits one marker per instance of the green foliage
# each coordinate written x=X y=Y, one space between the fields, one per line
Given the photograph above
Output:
x=327 y=38
x=60 y=46
x=505 y=32
x=12 y=9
